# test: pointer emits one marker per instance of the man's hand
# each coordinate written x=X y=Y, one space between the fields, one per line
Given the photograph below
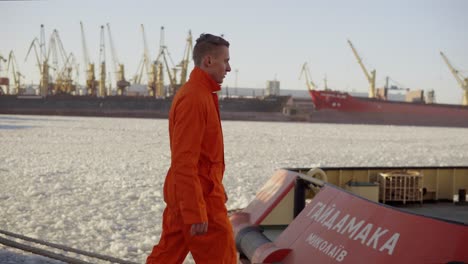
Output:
x=199 y=229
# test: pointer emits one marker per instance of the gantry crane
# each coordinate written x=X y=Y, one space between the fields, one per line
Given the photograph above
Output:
x=186 y=60
x=4 y=81
x=163 y=54
x=119 y=69
x=16 y=73
x=306 y=72
x=462 y=81
x=42 y=62
x=370 y=77
x=63 y=65
x=102 y=92
x=150 y=68
x=91 y=83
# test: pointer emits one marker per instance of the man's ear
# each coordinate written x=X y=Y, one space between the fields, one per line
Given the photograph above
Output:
x=207 y=60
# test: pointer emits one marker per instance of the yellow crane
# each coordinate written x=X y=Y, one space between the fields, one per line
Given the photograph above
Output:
x=150 y=69
x=91 y=83
x=119 y=69
x=63 y=65
x=4 y=81
x=370 y=76
x=102 y=92
x=462 y=81
x=163 y=54
x=16 y=73
x=186 y=59
x=306 y=73
x=42 y=62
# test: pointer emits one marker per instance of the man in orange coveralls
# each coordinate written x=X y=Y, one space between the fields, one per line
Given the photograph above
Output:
x=195 y=218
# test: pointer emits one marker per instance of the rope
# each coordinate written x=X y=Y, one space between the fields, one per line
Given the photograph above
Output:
x=56 y=246
x=41 y=252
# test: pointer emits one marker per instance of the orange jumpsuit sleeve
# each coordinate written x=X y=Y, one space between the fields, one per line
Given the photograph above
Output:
x=188 y=131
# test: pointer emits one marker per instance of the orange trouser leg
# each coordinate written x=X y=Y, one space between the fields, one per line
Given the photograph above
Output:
x=172 y=248
x=217 y=246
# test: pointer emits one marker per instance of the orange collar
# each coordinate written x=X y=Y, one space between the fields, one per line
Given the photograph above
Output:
x=199 y=75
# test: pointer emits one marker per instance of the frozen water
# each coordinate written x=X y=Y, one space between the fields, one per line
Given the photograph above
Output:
x=96 y=183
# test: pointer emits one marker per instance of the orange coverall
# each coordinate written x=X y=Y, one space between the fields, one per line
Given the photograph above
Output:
x=193 y=190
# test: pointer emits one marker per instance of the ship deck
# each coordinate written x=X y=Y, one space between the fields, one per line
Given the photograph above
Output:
x=447 y=211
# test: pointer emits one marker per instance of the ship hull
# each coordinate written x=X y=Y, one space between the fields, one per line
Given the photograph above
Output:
x=333 y=215
x=338 y=107
x=252 y=109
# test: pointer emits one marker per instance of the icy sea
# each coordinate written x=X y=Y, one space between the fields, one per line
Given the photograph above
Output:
x=96 y=183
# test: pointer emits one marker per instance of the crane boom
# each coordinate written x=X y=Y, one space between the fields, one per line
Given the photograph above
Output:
x=42 y=45
x=88 y=66
x=150 y=67
x=115 y=59
x=456 y=73
x=119 y=69
x=171 y=79
x=370 y=77
x=85 y=47
x=186 y=60
x=33 y=46
x=16 y=73
x=305 y=71
x=164 y=53
x=463 y=82
x=146 y=54
x=102 y=61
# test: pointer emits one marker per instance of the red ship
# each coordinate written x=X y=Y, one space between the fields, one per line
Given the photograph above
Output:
x=341 y=107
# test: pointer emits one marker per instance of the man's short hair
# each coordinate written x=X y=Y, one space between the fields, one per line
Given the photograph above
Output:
x=206 y=44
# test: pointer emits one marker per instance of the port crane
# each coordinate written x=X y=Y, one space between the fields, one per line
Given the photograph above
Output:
x=102 y=60
x=4 y=81
x=163 y=54
x=462 y=81
x=63 y=64
x=370 y=76
x=16 y=73
x=42 y=62
x=186 y=59
x=91 y=83
x=306 y=73
x=119 y=69
x=150 y=67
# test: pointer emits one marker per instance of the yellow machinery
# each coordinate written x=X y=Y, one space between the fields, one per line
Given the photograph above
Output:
x=42 y=60
x=4 y=81
x=16 y=73
x=102 y=92
x=462 y=81
x=370 y=77
x=150 y=67
x=162 y=56
x=91 y=83
x=119 y=69
x=306 y=73
x=155 y=69
x=63 y=64
x=186 y=60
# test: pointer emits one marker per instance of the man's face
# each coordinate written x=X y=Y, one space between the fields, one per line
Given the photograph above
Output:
x=218 y=65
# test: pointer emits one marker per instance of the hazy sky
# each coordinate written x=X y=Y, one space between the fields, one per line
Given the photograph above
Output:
x=269 y=39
